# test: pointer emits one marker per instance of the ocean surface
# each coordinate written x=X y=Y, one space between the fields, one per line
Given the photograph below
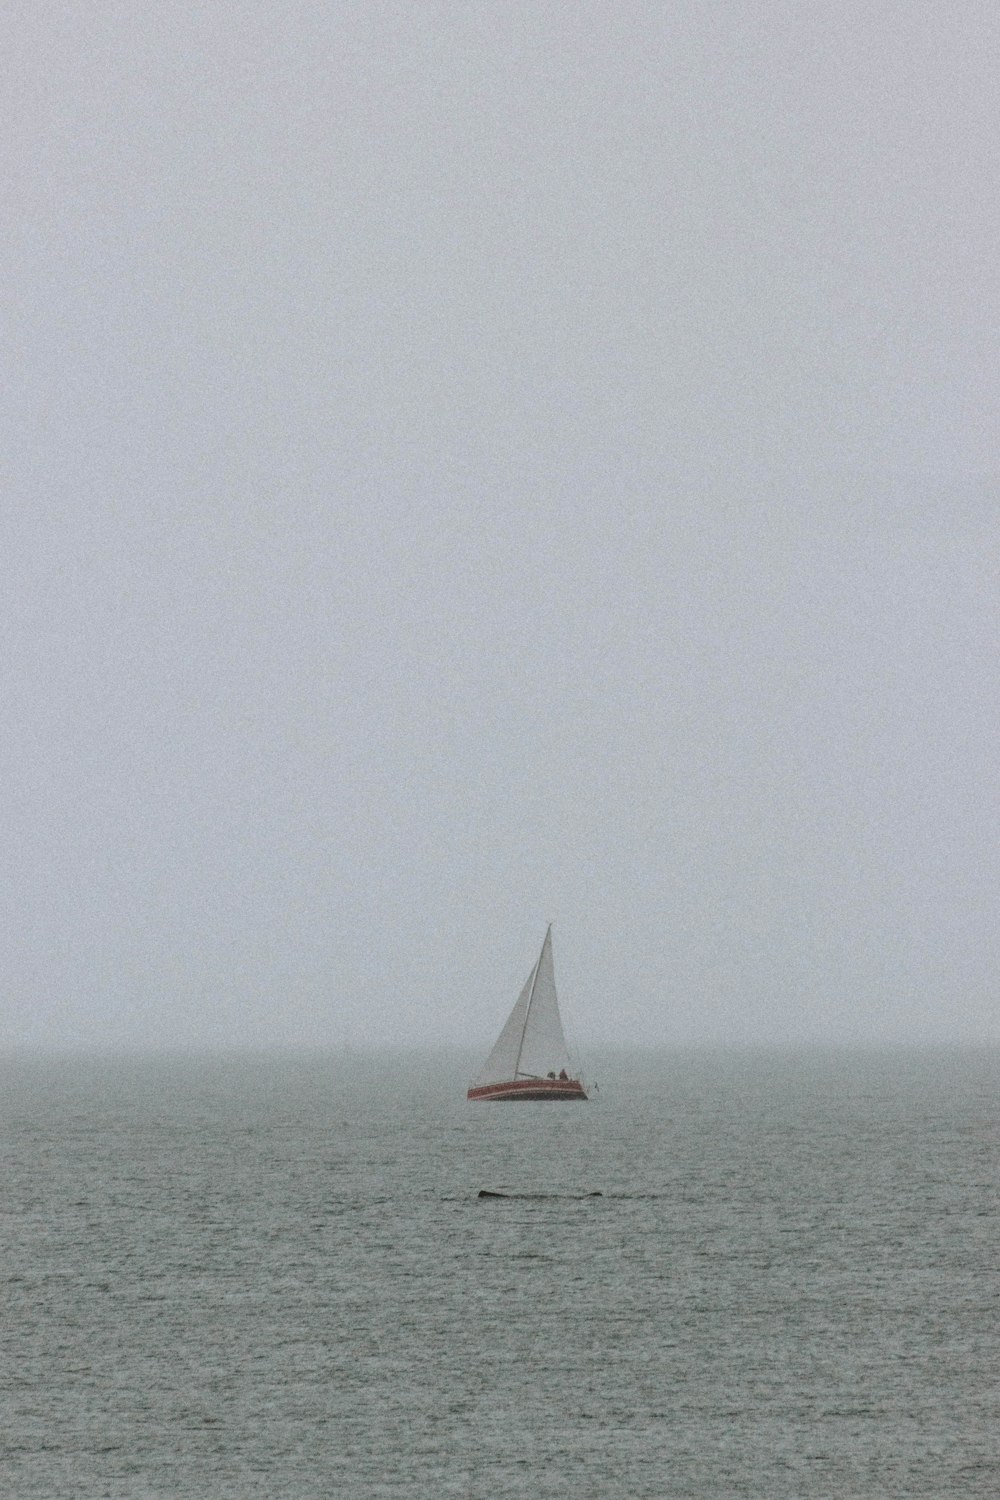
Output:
x=274 y=1277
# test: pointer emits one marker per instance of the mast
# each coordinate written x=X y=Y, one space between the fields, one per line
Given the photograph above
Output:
x=531 y=996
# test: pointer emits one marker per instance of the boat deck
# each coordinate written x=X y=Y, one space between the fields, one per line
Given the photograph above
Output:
x=531 y=1090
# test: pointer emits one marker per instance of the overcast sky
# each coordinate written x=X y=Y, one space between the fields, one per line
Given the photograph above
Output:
x=466 y=465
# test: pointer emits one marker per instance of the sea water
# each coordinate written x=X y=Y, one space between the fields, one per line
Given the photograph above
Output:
x=274 y=1277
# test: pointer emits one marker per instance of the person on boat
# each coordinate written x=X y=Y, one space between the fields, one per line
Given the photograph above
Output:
x=550 y=1075
x=564 y=1075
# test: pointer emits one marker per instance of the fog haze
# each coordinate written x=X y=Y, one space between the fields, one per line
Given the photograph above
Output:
x=472 y=465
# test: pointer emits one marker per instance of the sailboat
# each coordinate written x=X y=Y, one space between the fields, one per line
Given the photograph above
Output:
x=530 y=1059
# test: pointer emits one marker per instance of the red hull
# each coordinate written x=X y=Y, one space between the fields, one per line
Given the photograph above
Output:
x=533 y=1090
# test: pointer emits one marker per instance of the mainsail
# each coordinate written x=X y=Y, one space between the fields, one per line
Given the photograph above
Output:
x=531 y=1044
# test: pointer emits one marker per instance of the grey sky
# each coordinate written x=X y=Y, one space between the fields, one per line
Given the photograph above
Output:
x=471 y=464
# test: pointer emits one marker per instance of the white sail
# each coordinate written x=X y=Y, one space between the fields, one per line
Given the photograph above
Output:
x=499 y=1066
x=531 y=1044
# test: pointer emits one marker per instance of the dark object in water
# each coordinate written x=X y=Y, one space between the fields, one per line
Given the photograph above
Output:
x=488 y=1193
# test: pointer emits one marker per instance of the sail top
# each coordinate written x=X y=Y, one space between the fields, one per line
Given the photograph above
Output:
x=532 y=1043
